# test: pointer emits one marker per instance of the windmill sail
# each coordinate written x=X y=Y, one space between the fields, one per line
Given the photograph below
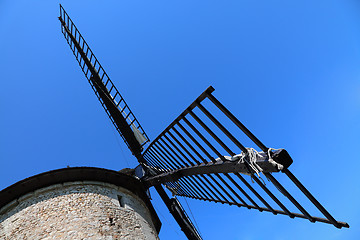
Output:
x=114 y=104
x=197 y=157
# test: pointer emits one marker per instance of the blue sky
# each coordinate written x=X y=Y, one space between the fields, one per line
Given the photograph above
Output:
x=289 y=70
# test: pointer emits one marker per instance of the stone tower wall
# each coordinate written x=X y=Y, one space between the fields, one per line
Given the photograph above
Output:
x=77 y=210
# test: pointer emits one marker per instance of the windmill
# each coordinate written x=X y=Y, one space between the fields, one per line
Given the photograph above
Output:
x=196 y=156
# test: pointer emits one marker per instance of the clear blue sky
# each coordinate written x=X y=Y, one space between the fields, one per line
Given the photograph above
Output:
x=289 y=70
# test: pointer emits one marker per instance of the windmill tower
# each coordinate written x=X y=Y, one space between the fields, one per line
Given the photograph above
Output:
x=77 y=203
x=196 y=156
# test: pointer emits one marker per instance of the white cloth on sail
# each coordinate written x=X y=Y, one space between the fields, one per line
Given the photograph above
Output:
x=252 y=157
x=139 y=137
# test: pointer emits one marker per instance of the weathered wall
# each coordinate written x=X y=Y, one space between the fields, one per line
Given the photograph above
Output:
x=77 y=210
